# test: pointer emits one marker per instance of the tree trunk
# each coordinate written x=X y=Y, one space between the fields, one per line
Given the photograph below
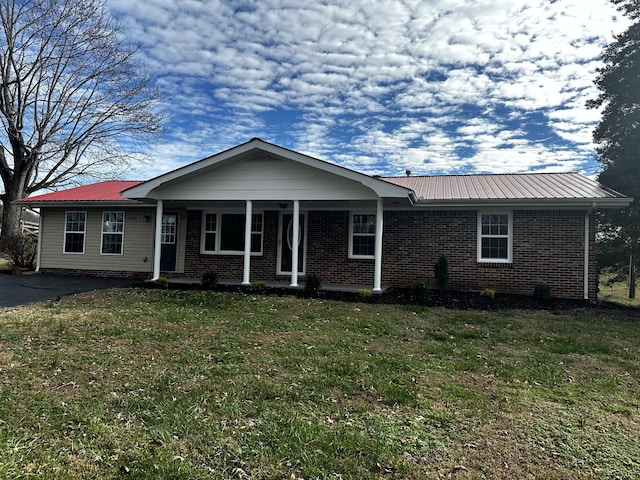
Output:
x=632 y=276
x=11 y=216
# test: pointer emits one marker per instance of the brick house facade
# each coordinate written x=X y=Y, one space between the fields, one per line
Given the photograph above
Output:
x=236 y=213
x=413 y=241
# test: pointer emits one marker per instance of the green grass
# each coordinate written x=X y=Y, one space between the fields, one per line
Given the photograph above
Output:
x=617 y=293
x=170 y=384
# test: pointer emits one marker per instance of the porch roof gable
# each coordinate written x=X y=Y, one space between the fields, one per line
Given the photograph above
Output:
x=330 y=180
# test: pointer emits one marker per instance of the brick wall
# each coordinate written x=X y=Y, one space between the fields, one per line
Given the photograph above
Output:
x=230 y=267
x=547 y=248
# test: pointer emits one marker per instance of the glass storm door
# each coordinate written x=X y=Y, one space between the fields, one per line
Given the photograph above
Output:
x=285 y=241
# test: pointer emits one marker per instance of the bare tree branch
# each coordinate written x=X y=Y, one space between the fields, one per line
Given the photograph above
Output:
x=73 y=99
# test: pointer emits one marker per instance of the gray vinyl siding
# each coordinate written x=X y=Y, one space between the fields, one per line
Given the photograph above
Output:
x=137 y=249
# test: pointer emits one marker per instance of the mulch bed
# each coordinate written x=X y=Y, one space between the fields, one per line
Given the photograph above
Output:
x=425 y=298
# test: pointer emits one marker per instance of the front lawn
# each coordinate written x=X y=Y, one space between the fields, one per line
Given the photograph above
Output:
x=135 y=383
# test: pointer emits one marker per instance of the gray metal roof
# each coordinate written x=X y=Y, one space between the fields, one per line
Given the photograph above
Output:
x=520 y=187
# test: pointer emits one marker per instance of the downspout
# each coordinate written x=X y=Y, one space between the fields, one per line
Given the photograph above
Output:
x=586 y=249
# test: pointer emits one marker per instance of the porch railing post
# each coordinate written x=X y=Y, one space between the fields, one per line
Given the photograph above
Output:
x=295 y=234
x=247 y=243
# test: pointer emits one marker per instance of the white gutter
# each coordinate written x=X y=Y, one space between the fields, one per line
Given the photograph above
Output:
x=586 y=250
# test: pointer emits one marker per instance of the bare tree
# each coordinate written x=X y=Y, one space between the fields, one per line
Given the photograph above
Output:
x=74 y=102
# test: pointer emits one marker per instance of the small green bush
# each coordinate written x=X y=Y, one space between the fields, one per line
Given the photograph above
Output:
x=364 y=292
x=312 y=283
x=162 y=281
x=209 y=280
x=259 y=285
x=542 y=291
x=419 y=291
x=488 y=293
x=21 y=250
x=441 y=272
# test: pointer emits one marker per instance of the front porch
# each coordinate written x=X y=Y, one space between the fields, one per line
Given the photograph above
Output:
x=329 y=287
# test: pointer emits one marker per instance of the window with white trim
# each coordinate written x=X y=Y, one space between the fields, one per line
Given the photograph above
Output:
x=495 y=237
x=112 y=233
x=74 y=232
x=362 y=235
x=223 y=233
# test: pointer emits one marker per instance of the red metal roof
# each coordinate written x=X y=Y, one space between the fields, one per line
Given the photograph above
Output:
x=101 y=191
x=523 y=186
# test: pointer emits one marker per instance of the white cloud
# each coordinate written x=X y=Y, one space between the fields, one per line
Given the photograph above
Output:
x=446 y=85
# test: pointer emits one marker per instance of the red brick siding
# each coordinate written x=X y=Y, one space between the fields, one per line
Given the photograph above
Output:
x=230 y=267
x=548 y=247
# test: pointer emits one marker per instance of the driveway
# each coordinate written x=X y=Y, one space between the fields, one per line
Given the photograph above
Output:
x=36 y=287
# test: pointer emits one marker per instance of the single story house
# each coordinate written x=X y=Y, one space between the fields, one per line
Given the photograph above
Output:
x=261 y=212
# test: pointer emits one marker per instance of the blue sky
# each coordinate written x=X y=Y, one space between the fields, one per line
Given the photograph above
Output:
x=380 y=86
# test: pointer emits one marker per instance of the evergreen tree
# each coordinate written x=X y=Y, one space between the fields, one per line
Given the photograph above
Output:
x=618 y=136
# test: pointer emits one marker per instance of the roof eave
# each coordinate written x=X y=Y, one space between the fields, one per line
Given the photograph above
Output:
x=526 y=203
x=80 y=203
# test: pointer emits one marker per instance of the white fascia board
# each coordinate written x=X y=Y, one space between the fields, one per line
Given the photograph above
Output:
x=526 y=203
x=381 y=188
x=83 y=204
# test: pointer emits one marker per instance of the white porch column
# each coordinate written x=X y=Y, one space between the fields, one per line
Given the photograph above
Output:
x=247 y=243
x=377 y=275
x=294 y=243
x=157 y=247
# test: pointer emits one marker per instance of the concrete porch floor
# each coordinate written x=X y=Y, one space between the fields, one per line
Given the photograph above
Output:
x=332 y=287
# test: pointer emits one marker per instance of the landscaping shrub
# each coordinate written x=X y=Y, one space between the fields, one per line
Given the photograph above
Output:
x=441 y=272
x=419 y=291
x=312 y=283
x=21 y=250
x=488 y=293
x=542 y=291
x=209 y=280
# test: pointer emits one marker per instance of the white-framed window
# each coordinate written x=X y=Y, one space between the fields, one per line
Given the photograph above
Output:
x=75 y=225
x=112 y=233
x=223 y=233
x=362 y=235
x=495 y=237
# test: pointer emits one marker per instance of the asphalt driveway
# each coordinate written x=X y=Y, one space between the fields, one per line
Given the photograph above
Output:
x=36 y=287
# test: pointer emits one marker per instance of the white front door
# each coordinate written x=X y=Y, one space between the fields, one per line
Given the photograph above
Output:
x=285 y=244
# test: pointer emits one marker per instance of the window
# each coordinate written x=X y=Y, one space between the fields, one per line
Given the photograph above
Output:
x=224 y=233
x=112 y=233
x=362 y=236
x=74 y=232
x=495 y=237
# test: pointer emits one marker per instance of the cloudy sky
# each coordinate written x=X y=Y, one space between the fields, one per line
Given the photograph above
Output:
x=380 y=86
